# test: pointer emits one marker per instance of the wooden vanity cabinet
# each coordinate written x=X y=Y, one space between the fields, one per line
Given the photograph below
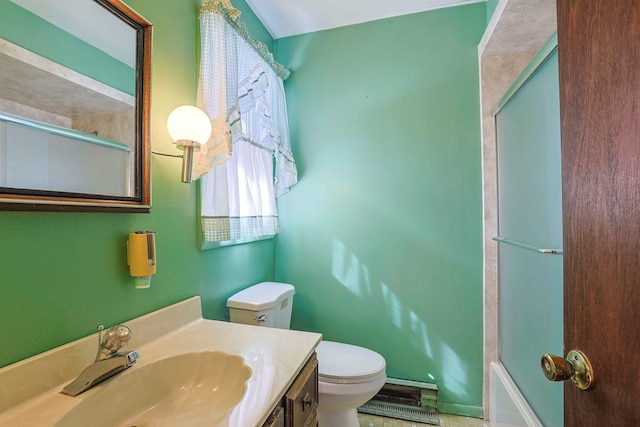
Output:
x=276 y=419
x=299 y=406
x=301 y=401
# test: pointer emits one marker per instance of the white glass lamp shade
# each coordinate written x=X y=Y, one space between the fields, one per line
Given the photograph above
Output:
x=189 y=123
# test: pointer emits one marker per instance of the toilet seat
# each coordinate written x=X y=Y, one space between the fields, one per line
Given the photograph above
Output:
x=340 y=363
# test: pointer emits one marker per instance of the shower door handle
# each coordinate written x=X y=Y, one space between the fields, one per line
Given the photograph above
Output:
x=575 y=367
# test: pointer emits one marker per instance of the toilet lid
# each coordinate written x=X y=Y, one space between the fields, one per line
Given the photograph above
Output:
x=345 y=363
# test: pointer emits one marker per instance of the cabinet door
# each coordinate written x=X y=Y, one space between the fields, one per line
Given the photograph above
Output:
x=301 y=401
x=276 y=419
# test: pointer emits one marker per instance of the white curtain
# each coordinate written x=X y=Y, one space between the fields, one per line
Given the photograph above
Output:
x=247 y=163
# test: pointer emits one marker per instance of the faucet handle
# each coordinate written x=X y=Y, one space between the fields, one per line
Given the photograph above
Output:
x=115 y=338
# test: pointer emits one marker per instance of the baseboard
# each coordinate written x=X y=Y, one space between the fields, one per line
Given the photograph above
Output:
x=462 y=410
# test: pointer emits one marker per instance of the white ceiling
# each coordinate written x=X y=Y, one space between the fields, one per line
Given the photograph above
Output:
x=283 y=18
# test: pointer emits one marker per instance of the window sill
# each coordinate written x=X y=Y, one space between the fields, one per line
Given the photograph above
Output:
x=204 y=245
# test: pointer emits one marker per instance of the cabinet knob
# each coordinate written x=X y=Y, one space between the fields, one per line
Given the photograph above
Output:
x=307 y=401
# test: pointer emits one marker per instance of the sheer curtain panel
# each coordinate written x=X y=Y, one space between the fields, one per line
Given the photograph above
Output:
x=247 y=162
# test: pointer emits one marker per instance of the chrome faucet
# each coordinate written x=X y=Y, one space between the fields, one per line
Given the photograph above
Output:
x=109 y=361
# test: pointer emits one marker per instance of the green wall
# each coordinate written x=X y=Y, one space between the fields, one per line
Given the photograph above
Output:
x=491 y=7
x=62 y=274
x=382 y=236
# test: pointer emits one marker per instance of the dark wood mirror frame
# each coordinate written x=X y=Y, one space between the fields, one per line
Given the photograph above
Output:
x=39 y=200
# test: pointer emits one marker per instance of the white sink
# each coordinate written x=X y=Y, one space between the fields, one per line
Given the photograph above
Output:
x=191 y=389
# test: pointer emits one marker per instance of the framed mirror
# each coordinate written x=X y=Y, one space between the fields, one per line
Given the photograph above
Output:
x=74 y=106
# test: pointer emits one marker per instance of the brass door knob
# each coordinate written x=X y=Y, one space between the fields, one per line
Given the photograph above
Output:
x=575 y=367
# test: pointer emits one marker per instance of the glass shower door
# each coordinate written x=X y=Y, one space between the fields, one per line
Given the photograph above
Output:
x=530 y=233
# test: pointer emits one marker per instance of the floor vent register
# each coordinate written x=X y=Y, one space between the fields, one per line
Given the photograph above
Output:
x=405 y=400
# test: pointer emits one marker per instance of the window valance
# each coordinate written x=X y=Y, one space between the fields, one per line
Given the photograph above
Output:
x=238 y=73
x=241 y=89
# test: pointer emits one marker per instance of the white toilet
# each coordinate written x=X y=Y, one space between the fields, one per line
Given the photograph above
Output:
x=348 y=375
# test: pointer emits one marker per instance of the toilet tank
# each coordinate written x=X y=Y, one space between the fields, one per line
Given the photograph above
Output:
x=264 y=304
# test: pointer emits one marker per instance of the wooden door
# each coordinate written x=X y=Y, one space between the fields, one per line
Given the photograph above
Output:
x=599 y=68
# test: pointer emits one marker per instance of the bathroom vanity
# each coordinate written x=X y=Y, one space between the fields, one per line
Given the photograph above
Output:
x=252 y=377
x=299 y=405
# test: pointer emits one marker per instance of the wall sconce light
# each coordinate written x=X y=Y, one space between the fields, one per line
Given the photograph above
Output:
x=189 y=128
